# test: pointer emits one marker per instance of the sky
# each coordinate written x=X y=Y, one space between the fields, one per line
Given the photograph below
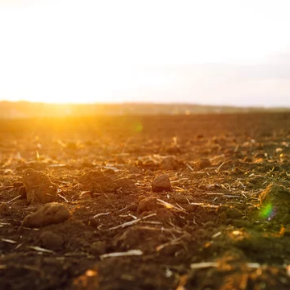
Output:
x=219 y=52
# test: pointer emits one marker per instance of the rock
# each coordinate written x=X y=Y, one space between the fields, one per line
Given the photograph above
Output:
x=39 y=188
x=161 y=183
x=51 y=213
x=204 y=163
x=126 y=186
x=147 y=204
x=50 y=240
x=96 y=181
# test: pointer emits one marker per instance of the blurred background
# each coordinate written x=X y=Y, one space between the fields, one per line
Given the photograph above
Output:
x=185 y=53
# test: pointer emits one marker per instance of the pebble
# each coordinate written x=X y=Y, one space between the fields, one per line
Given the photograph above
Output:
x=161 y=183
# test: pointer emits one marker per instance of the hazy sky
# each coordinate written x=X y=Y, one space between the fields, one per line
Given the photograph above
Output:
x=199 y=51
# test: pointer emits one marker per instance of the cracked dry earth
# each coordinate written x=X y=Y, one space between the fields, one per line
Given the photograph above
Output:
x=153 y=202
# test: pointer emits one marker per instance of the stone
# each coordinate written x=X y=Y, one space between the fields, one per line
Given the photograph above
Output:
x=48 y=214
x=50 y=240
x=96 y=181
x=39 y=188
x=161 y=183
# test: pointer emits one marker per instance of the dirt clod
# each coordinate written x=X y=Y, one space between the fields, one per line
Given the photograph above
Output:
x=204 y=163
x=275 y=202
x=126 y=186
x=51 y=213
x=22 y=192
x=39 y=188
x=50 y=240
x=161 y=183
x=98 y=248
x=233 y=213
x=97 y=181
x=276 y=194
x=4 y=209
x=147 y=204
x=169 y=163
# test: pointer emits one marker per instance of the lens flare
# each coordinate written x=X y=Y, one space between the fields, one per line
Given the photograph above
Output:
x=138 y=127
x=267 y=212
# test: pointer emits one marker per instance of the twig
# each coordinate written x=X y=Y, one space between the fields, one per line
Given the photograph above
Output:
x=61 y=196
x=219 y=168
x=4 y=224
x=189 y=166
x=151 y=222
x=15 y=198
x=18 y=246
x=204 y=205
x=127 y=224
x=122 y=254
x=160 y=229
x=203 y=265
x=100 y=214
x=214 y=193
x=8 y=241
x=169 y=205
x=123 y=208
x=132 y=216
x=216 y=235
x=39 y=249
x=171 y=243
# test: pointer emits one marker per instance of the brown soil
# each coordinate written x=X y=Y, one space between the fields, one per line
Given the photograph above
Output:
x=222 y=222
